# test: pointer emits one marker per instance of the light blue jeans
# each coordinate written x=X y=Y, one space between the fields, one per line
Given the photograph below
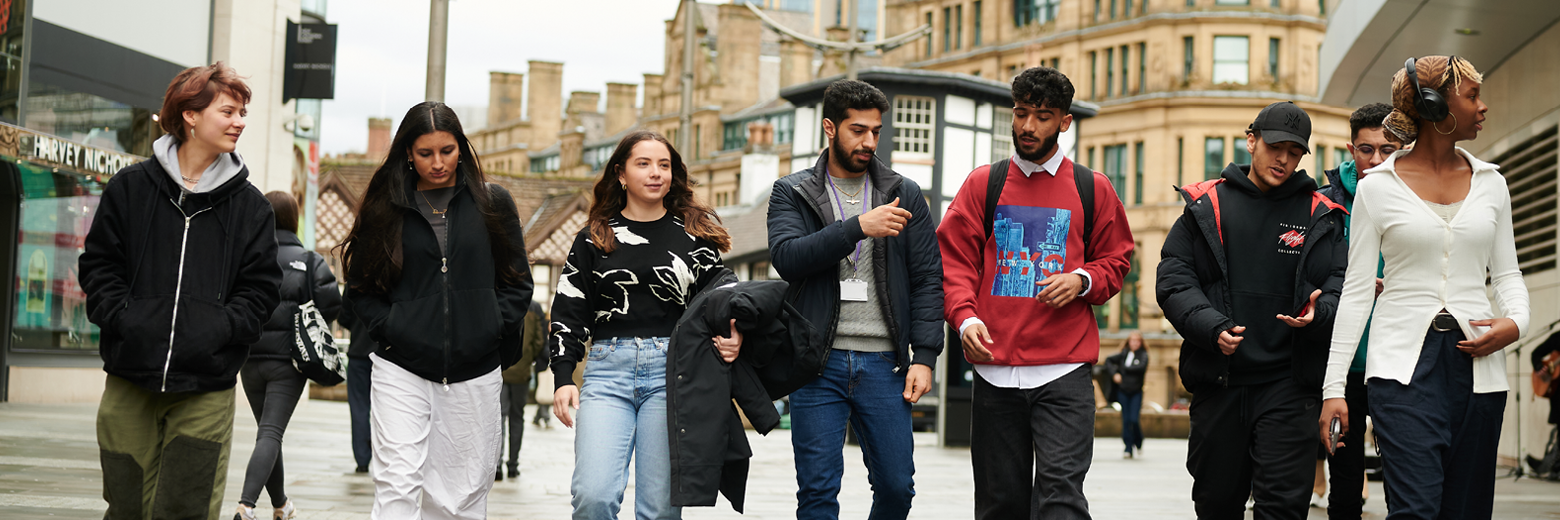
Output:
x=622 y=416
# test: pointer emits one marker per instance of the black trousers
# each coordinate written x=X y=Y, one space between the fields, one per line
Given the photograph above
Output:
x=360 y=374
x=1438 y=438
x=512 y=404
x=273 y=388
x=1346 y=465
x=1031 y=448
x=1257 y=441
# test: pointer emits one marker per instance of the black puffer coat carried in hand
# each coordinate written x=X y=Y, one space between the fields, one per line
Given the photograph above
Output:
x=709 y=449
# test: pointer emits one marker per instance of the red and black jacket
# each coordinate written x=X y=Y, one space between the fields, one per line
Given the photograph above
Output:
x=1192 y=288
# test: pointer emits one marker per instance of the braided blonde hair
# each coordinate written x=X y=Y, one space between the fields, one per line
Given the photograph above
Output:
x=1443 y=74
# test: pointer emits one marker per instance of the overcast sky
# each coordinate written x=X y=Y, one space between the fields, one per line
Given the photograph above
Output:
x=382 y=52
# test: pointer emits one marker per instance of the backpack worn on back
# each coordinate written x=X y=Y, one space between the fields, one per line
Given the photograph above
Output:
x=1082 y=177
x=314 y=351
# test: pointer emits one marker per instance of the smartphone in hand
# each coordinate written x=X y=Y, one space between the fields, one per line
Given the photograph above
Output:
x=1334 y=432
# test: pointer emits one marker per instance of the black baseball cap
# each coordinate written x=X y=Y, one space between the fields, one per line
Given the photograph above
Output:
x=1284 y=121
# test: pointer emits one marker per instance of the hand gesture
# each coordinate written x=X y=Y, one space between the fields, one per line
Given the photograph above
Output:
x=566 y=398
x=1310 y=313
x=1502 y=332
x=885 y=221
x=1230 y=339
x=917 y=382
x=729 y=347
x=1060 y=289
x=974 y=339
x=1331 y=408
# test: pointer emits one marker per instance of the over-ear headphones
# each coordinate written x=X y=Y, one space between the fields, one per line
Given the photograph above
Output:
x=1432 y=107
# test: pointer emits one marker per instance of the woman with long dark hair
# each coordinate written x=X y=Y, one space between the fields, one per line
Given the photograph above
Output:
x=436 y=268
x=271 y=383
x=1127 y=370
x=648 y=249
x=1440 y=219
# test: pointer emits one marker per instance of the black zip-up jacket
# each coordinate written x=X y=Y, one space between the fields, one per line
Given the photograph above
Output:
x=1192 y=285
x=709 y=451
x=807 y=242
x=180 y=283
x=449 y=318
x=1131 y=373
x=276 y=336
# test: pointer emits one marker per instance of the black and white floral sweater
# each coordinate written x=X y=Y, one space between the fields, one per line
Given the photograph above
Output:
x=639 y=290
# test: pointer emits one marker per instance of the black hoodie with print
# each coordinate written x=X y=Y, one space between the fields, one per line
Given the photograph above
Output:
x=179 y=282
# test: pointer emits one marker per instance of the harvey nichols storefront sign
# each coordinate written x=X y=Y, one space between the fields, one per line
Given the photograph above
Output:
x=51 y=150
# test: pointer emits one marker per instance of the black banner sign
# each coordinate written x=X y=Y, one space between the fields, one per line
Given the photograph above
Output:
x=311 y=62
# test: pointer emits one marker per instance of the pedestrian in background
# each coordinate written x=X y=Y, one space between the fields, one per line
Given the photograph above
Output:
x=180 y=271
x=650 y=246
x=1023 y=266
x=517 y=383
x=1440 y=219
x=1369 y=145
x=1126 y=371
x=436 y=267
x=360 y=373
x=271 y=382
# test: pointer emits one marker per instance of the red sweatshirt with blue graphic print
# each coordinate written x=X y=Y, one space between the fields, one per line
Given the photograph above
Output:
x=1037 y=231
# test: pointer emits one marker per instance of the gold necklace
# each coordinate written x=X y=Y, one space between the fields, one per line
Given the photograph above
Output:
x=436 y=211
x=856 y=194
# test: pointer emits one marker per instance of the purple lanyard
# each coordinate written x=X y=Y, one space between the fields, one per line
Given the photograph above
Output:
x=866 y=188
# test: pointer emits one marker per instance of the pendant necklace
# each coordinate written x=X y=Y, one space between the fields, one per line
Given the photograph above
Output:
x=436 y=211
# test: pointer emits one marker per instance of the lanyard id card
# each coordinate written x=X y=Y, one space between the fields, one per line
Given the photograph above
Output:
x=853 y=290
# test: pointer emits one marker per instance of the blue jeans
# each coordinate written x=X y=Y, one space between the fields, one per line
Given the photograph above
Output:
x=360 y=374
x=622 y=416
x=1131 y=428
x=865 y=389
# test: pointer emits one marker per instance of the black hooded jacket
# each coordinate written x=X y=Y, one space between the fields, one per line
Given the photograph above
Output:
x=1193 y=282
x=807 y=242
x=709 y=450
x=277 y=335
x=449 y=318
x=180 y=283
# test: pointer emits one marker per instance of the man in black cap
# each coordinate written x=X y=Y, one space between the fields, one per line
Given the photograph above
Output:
x=1250 y=276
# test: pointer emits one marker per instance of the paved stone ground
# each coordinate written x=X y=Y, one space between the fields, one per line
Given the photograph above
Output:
x=49 y=469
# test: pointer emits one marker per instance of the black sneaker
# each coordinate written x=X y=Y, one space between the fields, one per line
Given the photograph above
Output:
x=361 y=469
x=514 y=472
x=498 y=476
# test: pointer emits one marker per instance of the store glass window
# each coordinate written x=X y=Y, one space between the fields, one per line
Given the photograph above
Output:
x=91 y=120
x=56 y=212
x=11 y=40
x=1213 y=165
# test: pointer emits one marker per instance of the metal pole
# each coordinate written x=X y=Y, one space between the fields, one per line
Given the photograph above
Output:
x=685 y=122
x=438 y=38
x=850 y=56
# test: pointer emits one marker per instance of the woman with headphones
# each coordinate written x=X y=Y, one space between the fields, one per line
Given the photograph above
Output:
x=1441 y=220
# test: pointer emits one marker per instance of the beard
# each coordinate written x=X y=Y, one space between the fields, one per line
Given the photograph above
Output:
x=1045 y=147
x=848 y=159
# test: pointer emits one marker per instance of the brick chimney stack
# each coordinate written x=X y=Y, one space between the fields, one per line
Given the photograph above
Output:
x=378 y=138
x=545 y=103
x=620 y=106
x=505 y=91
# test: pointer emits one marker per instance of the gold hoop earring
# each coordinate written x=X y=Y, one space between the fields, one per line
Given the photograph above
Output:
x=1448 y=132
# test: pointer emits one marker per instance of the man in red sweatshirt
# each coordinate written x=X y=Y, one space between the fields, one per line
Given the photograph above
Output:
x=1018 y=285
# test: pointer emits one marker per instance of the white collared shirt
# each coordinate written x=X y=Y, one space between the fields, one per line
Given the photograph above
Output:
x=1431 y=264
x=1026 y=377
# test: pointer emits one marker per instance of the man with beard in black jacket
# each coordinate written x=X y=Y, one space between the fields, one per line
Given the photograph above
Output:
x=857 y=243
x=180 y=272
x=1254 y=295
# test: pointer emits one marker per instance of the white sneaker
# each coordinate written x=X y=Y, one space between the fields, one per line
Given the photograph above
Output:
x=1318 y=501
x=244 y=513
x=286 y=512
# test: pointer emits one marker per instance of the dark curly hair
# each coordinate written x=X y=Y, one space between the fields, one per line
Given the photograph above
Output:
x=850 y=94
x=1369 y=116
x=1043 y=87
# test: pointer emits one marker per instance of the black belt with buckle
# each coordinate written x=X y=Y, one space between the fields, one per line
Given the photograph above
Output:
x=1444 y=322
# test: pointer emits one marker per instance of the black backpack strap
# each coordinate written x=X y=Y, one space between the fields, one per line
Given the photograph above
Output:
x=1084 y=178
x=994 y=181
